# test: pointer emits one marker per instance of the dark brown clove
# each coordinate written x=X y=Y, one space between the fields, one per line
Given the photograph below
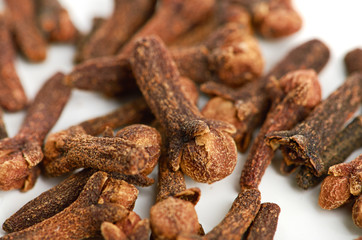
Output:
x=24 y=27
x=134 y=150
x=353 y=61
x=127 y=18
x=265 y=222
x=12 y=95
x=54 y=21
x=308 y=139
x=250 y=102
x=22 y=152
x=341 y=146
x=202 y=148
x=302 y=93
x=81 y=219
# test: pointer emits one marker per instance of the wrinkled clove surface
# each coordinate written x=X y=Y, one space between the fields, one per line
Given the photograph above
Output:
x=22 y=152
x=248 y=105
x=344 y=180
x=302 y=93
x=81 y=219
x=54 y=21
x=48 y=203
x=134 y=150
x=24 y=27
x=12 y=95
x=202 y=148
x=344 y=143
x=127 y=17
x=265 y=223
x=307 y=140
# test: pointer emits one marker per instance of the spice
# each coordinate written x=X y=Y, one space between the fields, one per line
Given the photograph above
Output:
x=48 y=203
x=22 y=152
x=265 y=222
x=12 y=95
x=302 y=93
x=134 y=150
x=357 y=212
x=3 y=132
x=127 y=17
x=308 y=139
x=177 y=16
x=54 y=21
x=250 y=102
x=273 y=18
x=202 y=148
x=341 y=146
x=24 y=27
x=343 y=181
x=172 y=217
x=81 y=219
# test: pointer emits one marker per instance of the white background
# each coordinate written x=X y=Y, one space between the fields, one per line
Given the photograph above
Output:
x=337 y=23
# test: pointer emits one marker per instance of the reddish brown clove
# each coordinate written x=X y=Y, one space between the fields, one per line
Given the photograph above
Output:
x=273 y=18
x=177 y=16
x=134 y=150
x=344 y=181
x=81 y=219
x=128 y=16
x=265 y=222
x=22 y=152
x=12 y=95
x=308 y=139
x=302 y=93
x=357 y=212
x=250 y=102
x=202 y=148
x=172 y=217
x=54 y=21
x=24 y=27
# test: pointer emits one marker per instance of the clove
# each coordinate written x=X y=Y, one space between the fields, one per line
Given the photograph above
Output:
x=202 y=148
x=127 y=18
x=23 y=152
x=12 y=95
x=134 y=150
x=54 y=21
x=302 y=93
x=24 y=27
x=249 y=104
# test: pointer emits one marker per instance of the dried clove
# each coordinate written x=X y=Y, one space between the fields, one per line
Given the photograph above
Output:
x=177 y=16
x=172 y=217
x=343 y=144
x=127 y=17
x=81 y=219
x=344 y=180
x=353 y=61
x=250 y=102
x=357 y=212
x=265 y=222
x=302 y=93
x=54 y=21
x=22 y=152
x=12 y=95
x=24 y=27
x=202 y=148
x=48 y=203
x=308 y=139
x=273 y=18
x=134 y=150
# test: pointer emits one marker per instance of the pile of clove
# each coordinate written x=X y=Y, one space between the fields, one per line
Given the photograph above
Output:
x=160 y=53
